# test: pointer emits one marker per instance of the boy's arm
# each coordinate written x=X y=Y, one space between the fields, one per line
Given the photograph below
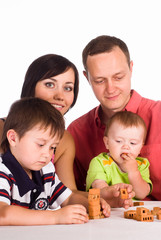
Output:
x=15 y=215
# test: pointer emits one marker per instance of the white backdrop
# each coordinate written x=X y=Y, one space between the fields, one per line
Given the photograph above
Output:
x=31 y=28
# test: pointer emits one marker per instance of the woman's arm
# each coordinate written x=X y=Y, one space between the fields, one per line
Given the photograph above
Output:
x=1 y=131
x=63 y=161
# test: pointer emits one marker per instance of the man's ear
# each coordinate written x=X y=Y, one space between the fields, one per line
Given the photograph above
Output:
x=131 y=66
x=105 y=139
x=12 y=137
x=85 y=74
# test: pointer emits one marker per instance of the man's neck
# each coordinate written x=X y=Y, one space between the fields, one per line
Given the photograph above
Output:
x=105 y=115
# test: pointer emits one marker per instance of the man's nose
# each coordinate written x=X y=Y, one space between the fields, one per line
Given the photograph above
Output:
x=110 y=86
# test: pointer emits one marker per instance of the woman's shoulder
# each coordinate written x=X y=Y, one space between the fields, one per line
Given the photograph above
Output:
x=1 y=130
x=65 y=146
x=67 y=138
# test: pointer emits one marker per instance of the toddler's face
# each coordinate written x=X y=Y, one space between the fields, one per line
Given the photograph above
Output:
x=122 y=139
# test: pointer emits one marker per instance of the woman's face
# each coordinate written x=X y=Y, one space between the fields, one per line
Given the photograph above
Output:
x=57 y=90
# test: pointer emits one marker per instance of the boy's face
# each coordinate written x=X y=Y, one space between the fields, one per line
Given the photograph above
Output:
x=35 y=149
x=122 y=139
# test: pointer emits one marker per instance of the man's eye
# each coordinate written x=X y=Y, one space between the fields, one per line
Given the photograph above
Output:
x=117 y=78
x=99 y=81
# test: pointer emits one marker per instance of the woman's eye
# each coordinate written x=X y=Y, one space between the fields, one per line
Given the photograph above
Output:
x=68 y=89
x=49 y=84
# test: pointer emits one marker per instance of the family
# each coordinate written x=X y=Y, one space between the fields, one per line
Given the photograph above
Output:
x=115 y=145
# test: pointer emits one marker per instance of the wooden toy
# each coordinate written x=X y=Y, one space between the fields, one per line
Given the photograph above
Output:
x=140 y=214
x=144 y=215
x=94 y=204
x=124 y=194
x=130 y=214
x=158 y=215
x=138 y=203
x=155 y=210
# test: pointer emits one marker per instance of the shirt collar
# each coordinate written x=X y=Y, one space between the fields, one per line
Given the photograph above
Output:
x=97 y=118
x=23 y=181
x=134 y=102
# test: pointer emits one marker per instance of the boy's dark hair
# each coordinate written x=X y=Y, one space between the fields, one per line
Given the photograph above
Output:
x=26 y=113
x=126 y=119
x=102 y=44
x=44 y=67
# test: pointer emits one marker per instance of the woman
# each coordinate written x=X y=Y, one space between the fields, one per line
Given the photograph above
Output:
x=55 y=79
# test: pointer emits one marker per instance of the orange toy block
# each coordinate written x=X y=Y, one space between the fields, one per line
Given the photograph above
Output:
x=144 y=215
x=158 y=215
x=94 y=204
x=156 y=210
x=124 y=194
x=130 y=214
x=138 y=203
x=145 y=218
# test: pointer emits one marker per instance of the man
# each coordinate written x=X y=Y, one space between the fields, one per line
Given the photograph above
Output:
x=108 y=69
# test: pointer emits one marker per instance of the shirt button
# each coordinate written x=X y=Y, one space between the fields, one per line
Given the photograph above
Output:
x=34 y=190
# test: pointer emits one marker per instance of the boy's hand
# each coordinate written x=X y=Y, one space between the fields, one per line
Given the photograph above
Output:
x=105 y=207
x=71 y=214
x=112 y=195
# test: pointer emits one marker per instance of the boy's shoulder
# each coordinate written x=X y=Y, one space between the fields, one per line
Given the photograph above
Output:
x=3 y=167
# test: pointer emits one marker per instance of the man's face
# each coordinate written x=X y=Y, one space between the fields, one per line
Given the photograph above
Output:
x=110 y=77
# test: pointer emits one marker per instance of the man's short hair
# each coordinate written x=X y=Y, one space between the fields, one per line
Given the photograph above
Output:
x=102 y=44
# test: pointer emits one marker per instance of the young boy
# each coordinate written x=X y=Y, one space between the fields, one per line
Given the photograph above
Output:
x=28 y=181
x=125 y=134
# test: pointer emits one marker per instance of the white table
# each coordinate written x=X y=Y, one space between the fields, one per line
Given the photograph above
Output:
x=114 y=227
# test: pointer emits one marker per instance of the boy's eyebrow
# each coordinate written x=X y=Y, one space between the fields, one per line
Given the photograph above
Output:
x=45 y=140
